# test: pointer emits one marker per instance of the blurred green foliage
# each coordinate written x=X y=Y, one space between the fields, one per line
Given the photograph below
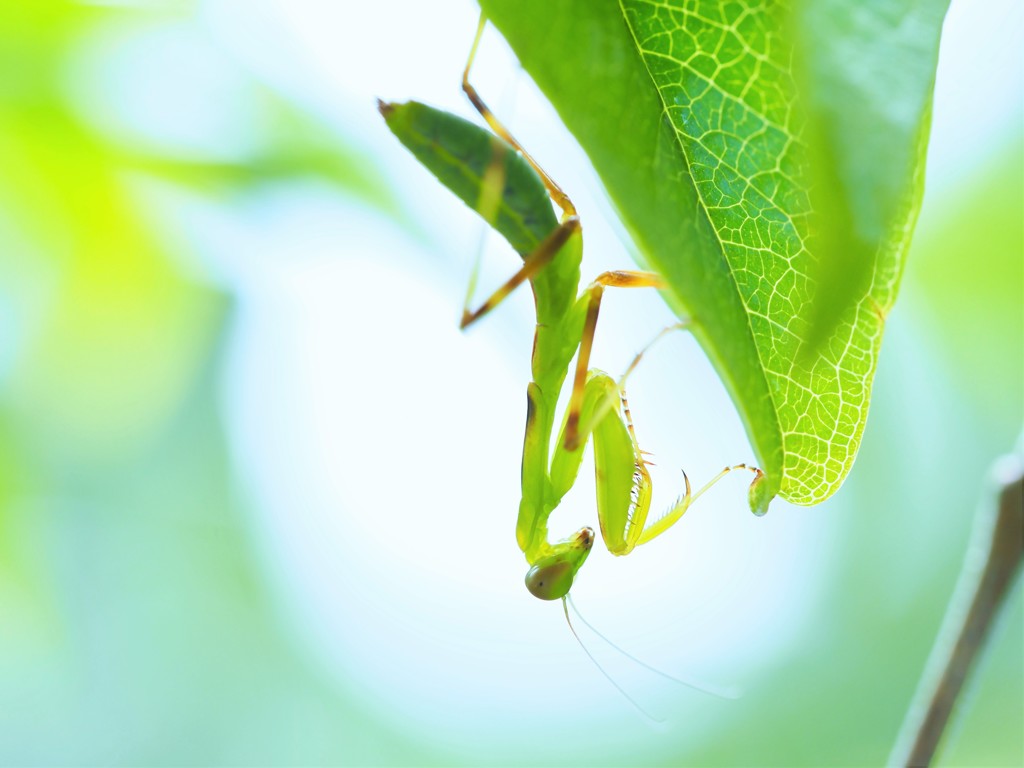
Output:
x=136 y=625
x=138 y=617
x=970 y=268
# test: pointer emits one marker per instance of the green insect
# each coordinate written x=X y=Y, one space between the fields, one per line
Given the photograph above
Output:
x=496 y=177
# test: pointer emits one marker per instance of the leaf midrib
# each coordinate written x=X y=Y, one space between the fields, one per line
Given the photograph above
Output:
x=762 y=370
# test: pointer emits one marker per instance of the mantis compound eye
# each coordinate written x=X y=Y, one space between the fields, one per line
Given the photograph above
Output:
x=550 y=581
x=551 y=577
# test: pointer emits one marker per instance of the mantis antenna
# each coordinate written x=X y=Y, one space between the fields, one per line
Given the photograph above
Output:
x=602 y=670
x=722 y=692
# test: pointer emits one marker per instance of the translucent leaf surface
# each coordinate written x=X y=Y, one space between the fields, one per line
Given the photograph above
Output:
x=715 y=143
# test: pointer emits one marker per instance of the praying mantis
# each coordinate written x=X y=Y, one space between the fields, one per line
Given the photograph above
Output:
x=492 y=174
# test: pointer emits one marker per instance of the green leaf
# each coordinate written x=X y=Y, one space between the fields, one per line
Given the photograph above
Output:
x=700 y=121
x=865 y=72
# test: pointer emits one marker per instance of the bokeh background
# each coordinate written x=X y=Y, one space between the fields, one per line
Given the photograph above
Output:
x=257 y=493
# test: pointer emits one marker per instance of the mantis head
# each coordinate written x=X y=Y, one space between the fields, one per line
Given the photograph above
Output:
x=551 y=577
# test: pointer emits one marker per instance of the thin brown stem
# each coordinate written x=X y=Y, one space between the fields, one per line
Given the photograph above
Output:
x=993 y=560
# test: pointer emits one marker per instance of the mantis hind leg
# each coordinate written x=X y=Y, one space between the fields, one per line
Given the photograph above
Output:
x=532 y=264
x=557 y=194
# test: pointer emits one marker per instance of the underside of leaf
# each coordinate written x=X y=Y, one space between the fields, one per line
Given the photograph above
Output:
x=718 y=152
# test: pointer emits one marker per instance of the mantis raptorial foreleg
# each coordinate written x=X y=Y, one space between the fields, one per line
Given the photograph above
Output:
x=676 y=511
x=672 y=515
x=555 y=564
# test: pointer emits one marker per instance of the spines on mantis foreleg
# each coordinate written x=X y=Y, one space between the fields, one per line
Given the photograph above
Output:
x=466 y=158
